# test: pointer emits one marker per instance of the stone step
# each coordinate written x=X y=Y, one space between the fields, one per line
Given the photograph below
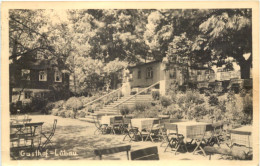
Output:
x=131 y=101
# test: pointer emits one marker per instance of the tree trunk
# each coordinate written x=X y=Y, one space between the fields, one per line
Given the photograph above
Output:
x=245 y=69
x=10 y=93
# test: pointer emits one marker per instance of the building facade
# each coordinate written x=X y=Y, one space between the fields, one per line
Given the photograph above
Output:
x=146 y=74
x=37 y=79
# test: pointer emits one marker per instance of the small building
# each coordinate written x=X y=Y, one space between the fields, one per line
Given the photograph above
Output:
x=37 y=78
x=147 y=74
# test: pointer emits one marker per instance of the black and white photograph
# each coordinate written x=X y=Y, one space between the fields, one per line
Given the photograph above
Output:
x=131 y=84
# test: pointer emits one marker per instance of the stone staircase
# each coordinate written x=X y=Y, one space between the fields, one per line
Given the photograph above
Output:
x=111 y=108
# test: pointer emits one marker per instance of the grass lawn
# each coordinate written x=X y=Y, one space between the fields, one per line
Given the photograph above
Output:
x=78 y=140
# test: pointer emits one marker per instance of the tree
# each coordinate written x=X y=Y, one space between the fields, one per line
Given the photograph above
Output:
x=164 y=25
x=111 y=71
x=26 y=33
x=228 y=33
x=118 y=34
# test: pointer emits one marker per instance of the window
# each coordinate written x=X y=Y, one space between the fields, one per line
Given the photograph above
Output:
x=149 y=72
x=25 y=74
x=27 y=95
x=42 y=76
x=139 y=74
x=58 y=76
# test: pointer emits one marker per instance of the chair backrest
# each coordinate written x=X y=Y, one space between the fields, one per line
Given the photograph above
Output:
x=209 y=127
x=106 y=151
x=150 y=153
x=171 y=127
x=156 y=121
x=118 y=120
x=54 y=126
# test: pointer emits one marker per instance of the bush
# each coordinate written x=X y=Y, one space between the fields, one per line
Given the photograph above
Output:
x=156 y=95
x=142 y=106
x=194 y=97
x=55 y=112
x=69 y=114
x=49 y=107
x=62 y=113
x=73 y=103
x=59 y=104
x=247 y=109
x=81 y=114
x=124 y=110
x=149 y=113
x=213 y=100
x=174 y=110
x=165 y=101
x=37 y=104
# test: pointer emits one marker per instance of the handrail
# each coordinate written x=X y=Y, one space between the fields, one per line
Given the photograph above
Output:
x=136 y=94
x=102 y=97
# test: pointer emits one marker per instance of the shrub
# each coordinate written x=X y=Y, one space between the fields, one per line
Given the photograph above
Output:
x=213 y=100
x=142 y=106
x=174 y=110
x=194 y=97
x=81 y=114
x=124 y=110
x=69 y=114
x=73 y=103
x=38 y=104
x=150 y=113
x=55 y=112
x=156 y=95
x=59 y=104
x=62 y=113
x=248 y=109
x=165 y=101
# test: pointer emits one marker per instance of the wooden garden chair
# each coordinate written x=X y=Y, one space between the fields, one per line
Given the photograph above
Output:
x=174 y=139
x=129 y=130
x=48 y=135
x=163 y=131
x=147 y=130
x=150 y=153
x=107 y=151
x=118 y=124
x=216 y=134
x=101 y=129
x=198 y=133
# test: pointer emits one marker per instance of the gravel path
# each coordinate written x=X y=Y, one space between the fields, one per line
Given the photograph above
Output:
x=75 y=140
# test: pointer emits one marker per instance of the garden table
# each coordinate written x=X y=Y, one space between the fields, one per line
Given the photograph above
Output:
x=242 y=136
x=20 y=121
x=191 y=129
x=108 y=120
x=194 y=131
x=140 y=123
x=22 y=127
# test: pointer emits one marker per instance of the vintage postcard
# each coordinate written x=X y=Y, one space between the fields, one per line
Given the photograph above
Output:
x=175 y=82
